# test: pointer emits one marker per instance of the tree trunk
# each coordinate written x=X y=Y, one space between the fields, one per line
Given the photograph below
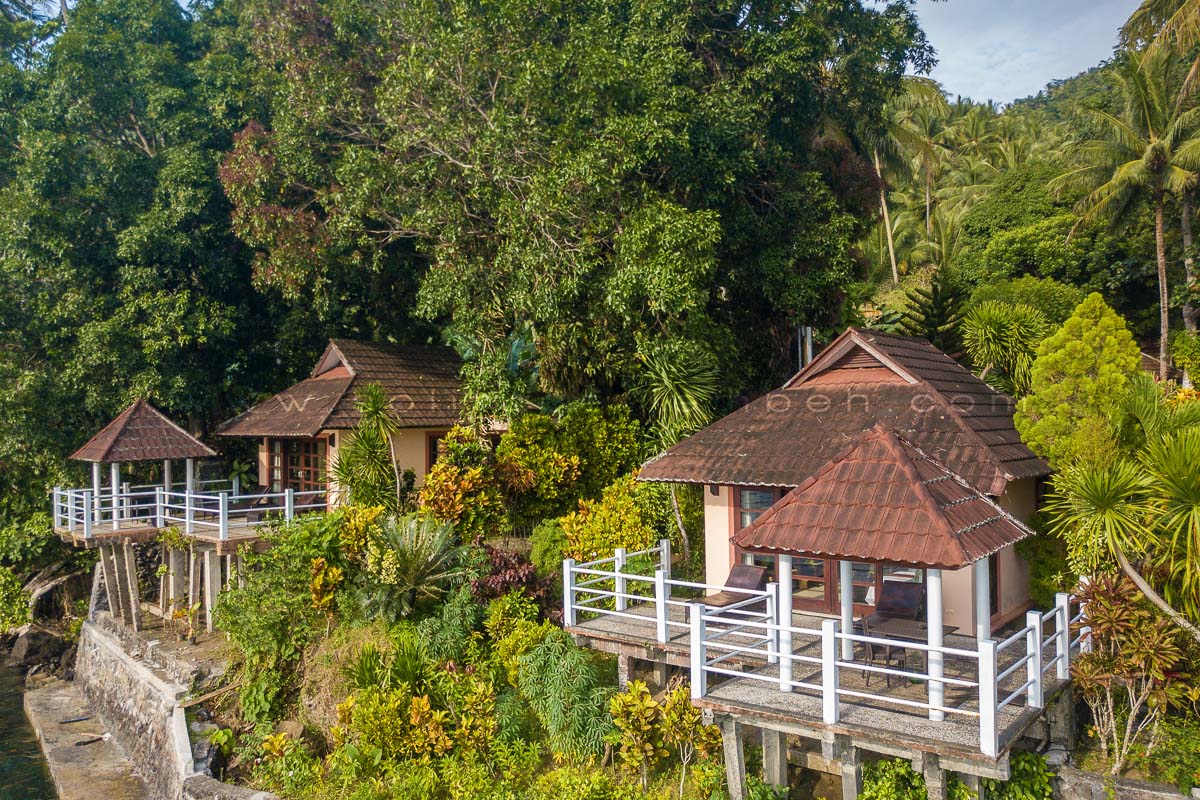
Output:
x=1189 y=266
x=1164 y=320
x=928 y=208
x=683 y=536
x=1153 y=596
x=887 y=221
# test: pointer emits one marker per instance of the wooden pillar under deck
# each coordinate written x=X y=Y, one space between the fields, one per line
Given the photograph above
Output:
x=212 y=585
x=133 y=593
x=108 y=568
x=117 y=554
x=735 y=758
x=775 y=758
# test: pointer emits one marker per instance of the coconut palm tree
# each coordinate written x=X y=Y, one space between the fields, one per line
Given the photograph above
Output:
x=1166 y=26
x=897 y=146
x=1147 y=152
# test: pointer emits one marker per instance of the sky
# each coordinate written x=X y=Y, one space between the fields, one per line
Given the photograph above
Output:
x=1007 y=49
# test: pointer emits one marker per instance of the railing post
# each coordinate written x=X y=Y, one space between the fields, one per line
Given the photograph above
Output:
x=187 y=510
x=56 y=506
x=289 y=504
x=696 y=631
x=1062 y=635
x=620 y=585
x=126 y=501
x=829 y=671
x=988 y=743
x=236 y=483
x=71 y=521
x=1033 y=648
x=88 y=512
x=772 y=620
x=223 y=515
x=664 y=556
x=783 y=604
x=159 y=511
x=568 y=592
x=661 y=609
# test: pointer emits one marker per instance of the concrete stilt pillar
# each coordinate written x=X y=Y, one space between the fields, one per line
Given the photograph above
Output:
x=935 y=779
x=177 y=579
x=852 y=777
x=133 y=593
x=975 y=785
x=212 y=585
x=117 y=554
x=195 y=568
x=735 y=758
x=241 y=572
x=662 y=673
x=775 y=758
x=623 y=669
x=228 y=570
x=108 y=567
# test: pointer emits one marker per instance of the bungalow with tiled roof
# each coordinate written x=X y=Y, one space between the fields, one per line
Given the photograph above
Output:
x=813 y=427
x=300 y=429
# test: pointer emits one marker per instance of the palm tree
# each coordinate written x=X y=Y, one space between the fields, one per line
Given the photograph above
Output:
x=677 y=387
x=366 y=465
x=1146 y=152
x=897 y=146
x=1166 y=26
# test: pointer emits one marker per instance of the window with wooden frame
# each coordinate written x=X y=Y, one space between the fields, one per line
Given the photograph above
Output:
x=433 y=448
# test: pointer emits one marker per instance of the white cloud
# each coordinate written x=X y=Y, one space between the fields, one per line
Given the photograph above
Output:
x=1007 y=49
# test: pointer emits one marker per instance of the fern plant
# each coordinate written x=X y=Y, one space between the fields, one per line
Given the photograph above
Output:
x=563 y=685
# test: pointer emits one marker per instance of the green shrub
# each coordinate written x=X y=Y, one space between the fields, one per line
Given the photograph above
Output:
x=1049 y=572
x=1056 y=300
x=1176 y=759
x=411 y=562
x=895 y=779
x=565 y=688
x=14 y=601
x=547 y=543
x=452 y=634
x=30 y=544
x=573 y=783
x=1029 y=779
x=601 y=526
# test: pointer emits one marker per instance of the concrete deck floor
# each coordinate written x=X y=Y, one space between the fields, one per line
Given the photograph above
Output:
x=859 y=717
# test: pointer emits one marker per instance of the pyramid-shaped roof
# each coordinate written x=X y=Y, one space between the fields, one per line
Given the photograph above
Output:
x=141 y=433
x=884 y=500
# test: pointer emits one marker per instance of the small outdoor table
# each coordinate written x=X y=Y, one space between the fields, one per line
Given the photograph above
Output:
x=909 y=630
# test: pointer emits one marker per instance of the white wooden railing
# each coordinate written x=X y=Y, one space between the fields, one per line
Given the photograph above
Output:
x=728 y=641
x=210 y=513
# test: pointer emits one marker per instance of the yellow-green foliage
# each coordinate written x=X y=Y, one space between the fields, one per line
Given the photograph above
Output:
x=601 y=526
x=326 y=578
x=638 y=717
x=462 y=488
x=359 y=524
x=1079 y=376
x=511 y=623
x=394 y=721
x=476 y=725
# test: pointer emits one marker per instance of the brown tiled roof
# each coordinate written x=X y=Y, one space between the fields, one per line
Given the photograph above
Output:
x=422 y=382
x=141 y=433
x=862 y=379
x=883 y=500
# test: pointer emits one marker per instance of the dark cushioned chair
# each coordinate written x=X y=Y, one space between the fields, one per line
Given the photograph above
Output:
x=746 y=577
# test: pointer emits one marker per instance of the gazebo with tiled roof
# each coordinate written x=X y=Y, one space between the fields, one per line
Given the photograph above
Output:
x=885 y=501
x=140 y=433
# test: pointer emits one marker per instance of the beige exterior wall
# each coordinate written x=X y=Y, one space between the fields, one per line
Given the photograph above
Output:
x=958 y=603
x=411 y=446
x=718 y=530
x=1020 y=500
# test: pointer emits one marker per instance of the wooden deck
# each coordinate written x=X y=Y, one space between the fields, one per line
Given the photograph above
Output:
x=135 y=532
x=873 y=724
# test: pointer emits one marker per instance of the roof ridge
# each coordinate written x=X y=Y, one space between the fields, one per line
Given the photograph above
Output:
x=954 y=414
x=900 y=446
x=122 y=422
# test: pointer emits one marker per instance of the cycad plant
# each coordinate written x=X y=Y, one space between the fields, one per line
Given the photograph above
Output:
x=1144 y=509
x=411 y=561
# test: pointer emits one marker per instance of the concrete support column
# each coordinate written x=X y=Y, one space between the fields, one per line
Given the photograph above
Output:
x=935 y=659
x=624 y=667
x=935 y=778
x=133 y=593
x=241 y=572
x=852 y=776
x=190 y=475
x=846 y=590
x=108 y=568
x=228 y=570
x=775 y=758
x=177 y=579
x=167 y=474
x=195 y=570
x=975 y=785
x=212 y=585
x=983 y=599
x=735 y=757
x=662 y=673
x=783 y=564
